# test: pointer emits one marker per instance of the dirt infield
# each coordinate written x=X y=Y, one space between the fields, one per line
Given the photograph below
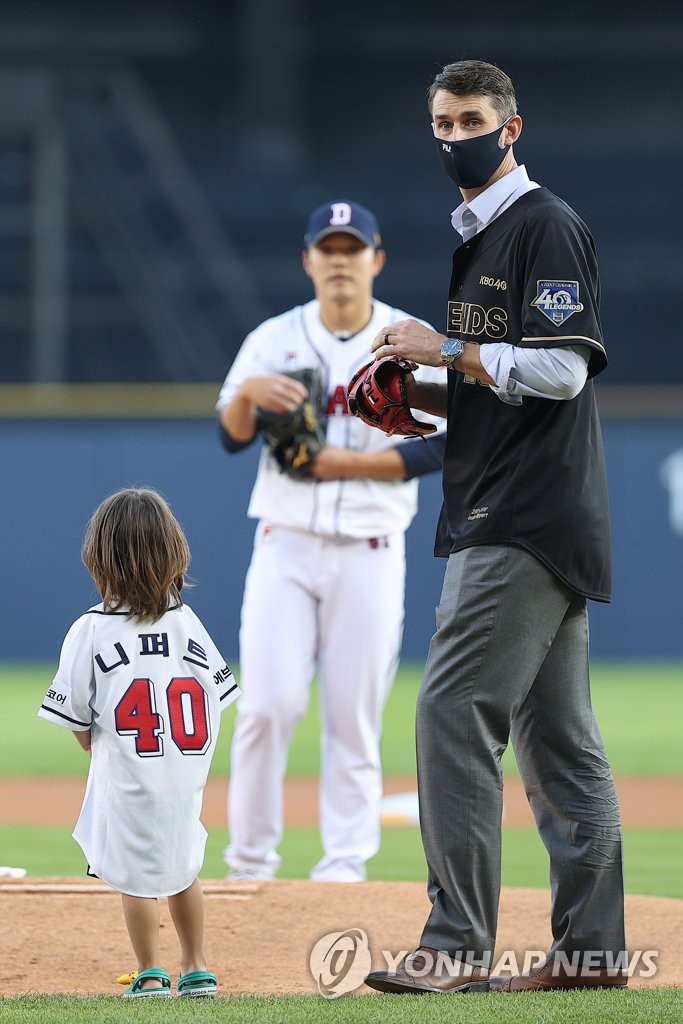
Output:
x=259 y=936
x=68 y=935
x=651 y=803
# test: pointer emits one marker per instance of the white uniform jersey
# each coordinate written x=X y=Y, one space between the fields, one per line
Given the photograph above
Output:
x=334 y=508
x=152 y=694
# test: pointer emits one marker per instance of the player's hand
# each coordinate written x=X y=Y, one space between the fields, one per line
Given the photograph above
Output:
x=275 y=392
x=410 y=339
x=332 y=463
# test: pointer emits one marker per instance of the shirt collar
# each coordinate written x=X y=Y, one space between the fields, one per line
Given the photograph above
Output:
x=488 y=203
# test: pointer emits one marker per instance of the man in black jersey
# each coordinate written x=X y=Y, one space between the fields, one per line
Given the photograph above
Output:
x=525 y=528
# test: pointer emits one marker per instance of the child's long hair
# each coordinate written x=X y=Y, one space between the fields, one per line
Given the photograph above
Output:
x=137 y=554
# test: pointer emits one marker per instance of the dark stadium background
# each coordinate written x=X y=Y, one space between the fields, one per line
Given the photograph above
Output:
x=252 y=113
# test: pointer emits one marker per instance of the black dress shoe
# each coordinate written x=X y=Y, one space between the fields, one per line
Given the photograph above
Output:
x=426 y=970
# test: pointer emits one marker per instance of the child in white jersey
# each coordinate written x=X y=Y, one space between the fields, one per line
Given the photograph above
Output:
x=142 y=686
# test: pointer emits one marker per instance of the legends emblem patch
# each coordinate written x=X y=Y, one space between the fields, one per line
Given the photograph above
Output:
x=558 y=300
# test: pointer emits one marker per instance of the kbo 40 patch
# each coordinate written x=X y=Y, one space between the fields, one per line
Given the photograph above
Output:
x=558 y=300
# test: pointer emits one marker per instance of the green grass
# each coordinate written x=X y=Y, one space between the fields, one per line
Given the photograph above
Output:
x=665 y=1006
x=639 y=707
x=52 y=851
x=642 y=737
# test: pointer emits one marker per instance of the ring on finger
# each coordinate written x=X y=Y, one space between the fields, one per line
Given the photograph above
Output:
x=386 y=339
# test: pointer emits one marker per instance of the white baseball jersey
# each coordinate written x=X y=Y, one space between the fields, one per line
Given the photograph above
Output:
x=352 y=508
x=152 y=695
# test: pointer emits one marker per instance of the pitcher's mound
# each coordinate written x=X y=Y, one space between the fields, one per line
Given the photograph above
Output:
x=66 y=935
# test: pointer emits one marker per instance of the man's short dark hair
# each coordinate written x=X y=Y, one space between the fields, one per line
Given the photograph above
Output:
x=476 y=78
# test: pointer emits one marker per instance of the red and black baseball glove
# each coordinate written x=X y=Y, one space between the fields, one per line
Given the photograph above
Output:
x=377 y=395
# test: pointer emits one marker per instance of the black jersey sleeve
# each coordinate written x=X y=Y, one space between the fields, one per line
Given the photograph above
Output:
x=229 y=442
x=561 y=285
x=423 y=455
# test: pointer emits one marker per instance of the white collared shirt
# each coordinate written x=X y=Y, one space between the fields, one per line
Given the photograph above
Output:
x=494 y=200
x=558 y=373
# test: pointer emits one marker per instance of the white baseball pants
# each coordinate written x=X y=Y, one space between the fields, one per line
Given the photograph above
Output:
x=336 y=607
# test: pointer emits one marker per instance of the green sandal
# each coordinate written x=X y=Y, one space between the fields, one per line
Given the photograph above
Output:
x=197 y=983
x=137 y=992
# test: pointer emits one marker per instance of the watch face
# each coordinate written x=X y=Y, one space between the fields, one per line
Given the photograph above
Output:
x=451 y=350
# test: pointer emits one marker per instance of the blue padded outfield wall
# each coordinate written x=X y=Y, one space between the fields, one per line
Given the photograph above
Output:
x=54 y=473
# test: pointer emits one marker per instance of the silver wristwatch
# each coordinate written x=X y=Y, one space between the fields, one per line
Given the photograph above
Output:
x=451 y=350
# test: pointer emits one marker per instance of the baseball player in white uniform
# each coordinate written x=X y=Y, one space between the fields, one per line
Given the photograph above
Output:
x=304 y=610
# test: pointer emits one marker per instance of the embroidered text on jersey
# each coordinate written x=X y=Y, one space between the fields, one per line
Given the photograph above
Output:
x=337 y=404
x=557 y=300
x=493 y=282
x=471 y=318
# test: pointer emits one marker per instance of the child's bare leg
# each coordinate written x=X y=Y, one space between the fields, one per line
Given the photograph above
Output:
x=142 y=921
x=187 y=912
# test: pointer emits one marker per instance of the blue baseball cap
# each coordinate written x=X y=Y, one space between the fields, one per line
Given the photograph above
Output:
x=343 y=215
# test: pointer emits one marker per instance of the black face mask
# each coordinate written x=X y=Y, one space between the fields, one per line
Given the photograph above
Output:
x=471 y=162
